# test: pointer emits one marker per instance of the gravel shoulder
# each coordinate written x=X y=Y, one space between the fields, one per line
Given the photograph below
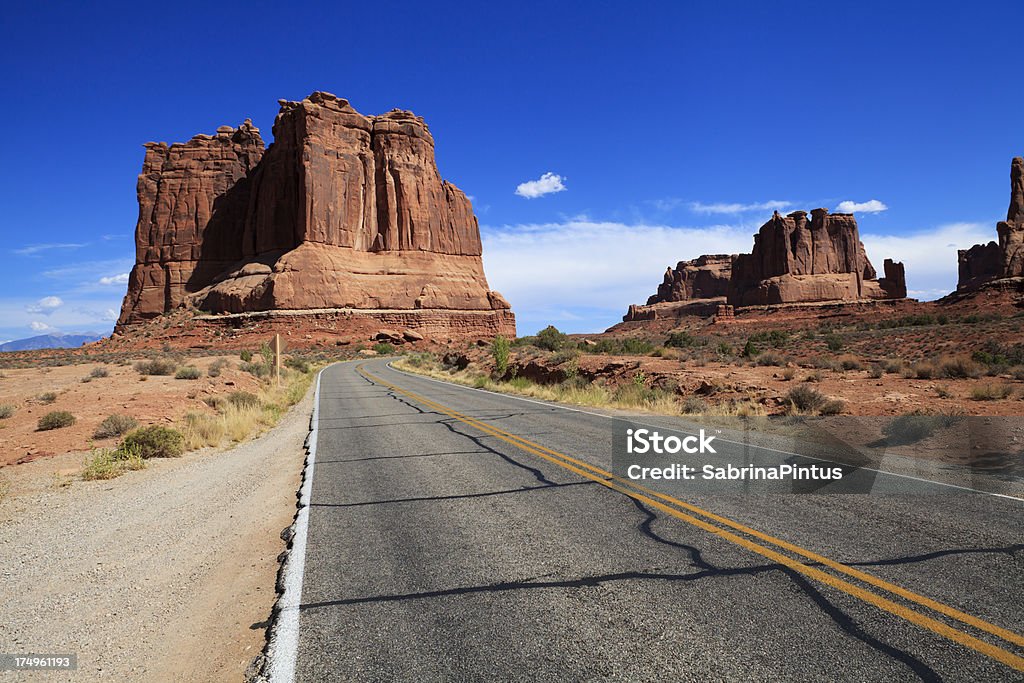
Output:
x=165 y=574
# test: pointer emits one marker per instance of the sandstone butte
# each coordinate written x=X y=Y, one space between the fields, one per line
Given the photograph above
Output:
x=343 y=213
x=998 y=264
x=794 y=261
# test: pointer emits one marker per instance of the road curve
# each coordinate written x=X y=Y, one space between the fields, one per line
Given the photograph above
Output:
x=461 y=535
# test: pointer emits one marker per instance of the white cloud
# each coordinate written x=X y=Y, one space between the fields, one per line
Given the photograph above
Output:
x=870 y=206
x=32 y=249
x=735 y=208
x=546 y=184
x=46 y=305
x=928 y=255
x=37 y=326
x=592 y=270
x=120 y=279
x=110 y=315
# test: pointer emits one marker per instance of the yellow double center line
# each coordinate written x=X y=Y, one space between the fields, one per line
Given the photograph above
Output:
x=680 y=510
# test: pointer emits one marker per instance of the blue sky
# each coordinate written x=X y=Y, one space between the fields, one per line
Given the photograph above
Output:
x=672 y=127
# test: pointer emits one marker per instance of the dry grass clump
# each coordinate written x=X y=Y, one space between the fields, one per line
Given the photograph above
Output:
x=109 y=463
x=188 y=372
x=806 y=400
x=47 y=397
x=7 y=410
x=991 y=392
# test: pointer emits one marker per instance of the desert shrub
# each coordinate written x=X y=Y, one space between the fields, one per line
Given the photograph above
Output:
x=47 y=397
x=256 y=369
x=834 y=407
x=96 y=373
x=991 y=392
x=634 y=346
x=528 y=340
x=943 y=392
x=913 y=427
x=564 y=356
x=960 y=368
x=806 y=398
x=551 y=339
x=815 y=376
x=243 y=399
x=788 y=374
x=155 y=442
x=922 y=370
x=245 y=355
x=6 y=410
x=423 y=359
x=57 y=419
x=770 y=358
x=297 y=364
x=188 y=372
x=749 y=350
x=876 y=371
x=1018 y=372
x=773 y=338
x=694 y=405
x=500 y=349
x=834 y=342
x=157 y=366
x=915 y=320
x=681 y=340
x=216 y=367
x=892 y=366
x=115 y=425
x=109 y=463
x=384 y=348
x=267 y=353
x=850 y=363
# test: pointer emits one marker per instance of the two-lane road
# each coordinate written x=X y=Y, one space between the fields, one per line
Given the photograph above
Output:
x=456 y=534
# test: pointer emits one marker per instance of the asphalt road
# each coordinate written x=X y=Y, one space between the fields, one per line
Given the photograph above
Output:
x=451 y=538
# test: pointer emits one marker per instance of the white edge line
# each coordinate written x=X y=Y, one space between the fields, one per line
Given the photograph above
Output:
x=740 y=443
x=282 y=650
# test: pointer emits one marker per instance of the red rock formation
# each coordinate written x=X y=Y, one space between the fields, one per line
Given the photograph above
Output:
x=984 y=263
x=344 y=211
x=192 y=198
x=705 y=277
x=799 y=261
x=978 y=265
x=1011 y=231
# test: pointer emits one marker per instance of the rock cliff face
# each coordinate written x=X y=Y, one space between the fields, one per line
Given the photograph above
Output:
x=192 y=198
x=343 y=211
x=983 y=263
x=705 y=277
x=796 y=260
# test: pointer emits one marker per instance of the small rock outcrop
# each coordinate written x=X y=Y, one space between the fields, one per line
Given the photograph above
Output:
x=796 y=260
x=984 y=263
x=342 y=212
x=705 y=277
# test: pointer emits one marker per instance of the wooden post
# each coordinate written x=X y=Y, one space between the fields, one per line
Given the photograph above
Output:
x=277 y=357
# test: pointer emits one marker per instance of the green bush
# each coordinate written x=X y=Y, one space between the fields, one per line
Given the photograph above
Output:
x=500 y=348
x=384 y=348
x=681 y=340
x=157 y=366
x=115 y=425
x=551 y=339
x=834 y=342
x=750 y=349
x=774 y=338
x=58 y=419
x=245 y=355
x=110 y=463
x=188 y=372
x=6 y=410
x=155 y=442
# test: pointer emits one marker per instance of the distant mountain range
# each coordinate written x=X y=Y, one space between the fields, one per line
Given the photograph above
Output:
x=50 y=341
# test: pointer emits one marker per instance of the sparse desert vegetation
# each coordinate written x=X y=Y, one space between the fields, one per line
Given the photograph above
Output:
x=115 y=425
x=57 y=419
